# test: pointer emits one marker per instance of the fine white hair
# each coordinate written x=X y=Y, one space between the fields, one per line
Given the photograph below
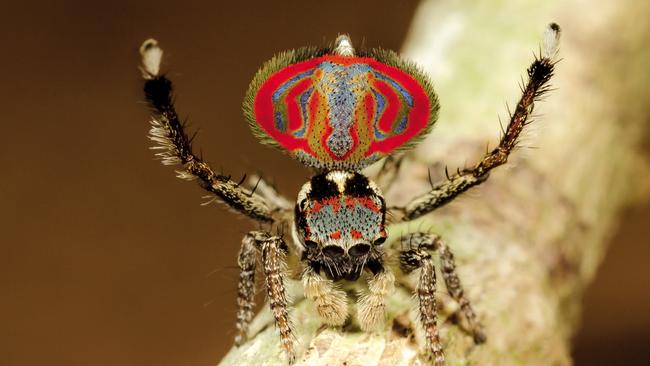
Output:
x=551 y=41
x=151 y=57
x=343 y=46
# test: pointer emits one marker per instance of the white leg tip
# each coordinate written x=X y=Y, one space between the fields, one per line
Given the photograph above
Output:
x=551 y=40
x=151 y=57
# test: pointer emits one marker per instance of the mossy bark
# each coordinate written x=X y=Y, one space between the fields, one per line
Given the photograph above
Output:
x=528 y=241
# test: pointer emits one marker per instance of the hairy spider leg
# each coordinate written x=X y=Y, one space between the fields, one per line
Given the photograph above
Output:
x=272 y=251
x=433 y=243
x=168 y=133
x=537 y=85
x=247 y=261
x=417 y=258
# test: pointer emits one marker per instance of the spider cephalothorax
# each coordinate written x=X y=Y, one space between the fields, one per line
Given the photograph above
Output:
x=340 y=221
x=338 y=110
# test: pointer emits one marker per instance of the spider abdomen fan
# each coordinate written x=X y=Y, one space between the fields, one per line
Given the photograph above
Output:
x=340 y=112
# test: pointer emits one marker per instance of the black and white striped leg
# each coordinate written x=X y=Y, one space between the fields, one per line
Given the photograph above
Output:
x=416 y=258
x=247 y=261
x=416 y=255
x=272 y=251
x=456 y=290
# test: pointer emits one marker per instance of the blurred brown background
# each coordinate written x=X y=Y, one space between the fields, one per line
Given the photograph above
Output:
x=107 y=259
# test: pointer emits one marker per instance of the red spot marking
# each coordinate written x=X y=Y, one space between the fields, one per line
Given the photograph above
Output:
x=335 y=202
x=368 y=203
x=356 y=234
x=336 y=235
x=316 y=207
x=364 y=201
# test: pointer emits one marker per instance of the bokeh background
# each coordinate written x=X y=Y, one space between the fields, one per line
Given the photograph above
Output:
x=105 y=258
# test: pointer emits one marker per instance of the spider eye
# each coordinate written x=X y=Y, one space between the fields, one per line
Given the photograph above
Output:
x=333 y=251
x=380 y=241
x=359 y=250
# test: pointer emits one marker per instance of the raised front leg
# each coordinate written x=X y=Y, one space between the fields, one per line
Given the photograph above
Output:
x=417 y=256
x=168 y=133
x=539 y=75
x=272 y=251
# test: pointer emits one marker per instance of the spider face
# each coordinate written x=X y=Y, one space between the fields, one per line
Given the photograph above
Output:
x=339 y=220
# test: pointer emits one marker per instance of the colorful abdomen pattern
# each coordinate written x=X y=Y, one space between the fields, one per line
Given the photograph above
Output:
x=342 y=112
